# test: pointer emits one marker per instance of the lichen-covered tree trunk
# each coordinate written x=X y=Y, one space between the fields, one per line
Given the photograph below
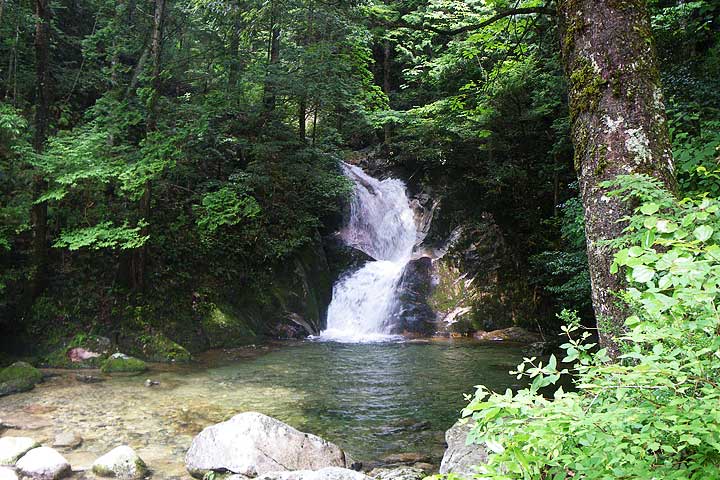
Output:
x=618 y=127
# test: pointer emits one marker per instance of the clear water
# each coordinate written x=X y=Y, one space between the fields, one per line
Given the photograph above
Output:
x=371 y=399
x=381 y=224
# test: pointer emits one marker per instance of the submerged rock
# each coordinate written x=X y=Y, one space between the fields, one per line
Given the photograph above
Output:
x=120 y=363
x=12 y=448
x=43 y=463
x=328 y=473
x=68 y=440
x=399 y=473
x=512 y=334
x=461 y=458
x=407 y=458
x=121 y=462
x=19 y=377
x=7 y=473
x=253 y=444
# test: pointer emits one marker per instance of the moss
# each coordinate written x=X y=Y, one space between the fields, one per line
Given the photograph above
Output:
x=159 y=348
x=224 y=326
x=19 y=377
x=123 y=364
x=587 y=87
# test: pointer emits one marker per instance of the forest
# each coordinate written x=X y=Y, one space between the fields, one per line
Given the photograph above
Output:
x=196 y=189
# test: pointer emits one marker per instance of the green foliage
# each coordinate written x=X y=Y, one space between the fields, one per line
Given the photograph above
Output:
x=225 y=207
x=104 y=235
x=653 y=414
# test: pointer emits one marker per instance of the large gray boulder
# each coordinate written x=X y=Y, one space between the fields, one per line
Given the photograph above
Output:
x=12 y=448
x=120 y=462
x=461 y=458
x=43 y=463
x=328 y=473
x=253 y=444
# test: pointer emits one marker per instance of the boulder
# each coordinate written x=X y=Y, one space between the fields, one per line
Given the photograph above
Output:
x=120 y=462
x=253 y=444
x=461 y=458
x=82 y=351
x=19 y=377
x=7 y=473
x=512 y=334
x=67 y=440
x=12 y=448
x=400 y=473
x=414 y=314
x=121 y=363
x=406 y=458
x=43 y=463
x=327 y=473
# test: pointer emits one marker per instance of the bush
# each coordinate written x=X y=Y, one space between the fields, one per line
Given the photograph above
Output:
x=654 y=413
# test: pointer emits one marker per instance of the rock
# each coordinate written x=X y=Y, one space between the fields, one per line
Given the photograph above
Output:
x=121 y=363
x=512 y=334
x=400 y=473
x=407 y=458
x=12 y=448
x=253 y=444
x=88 y=378
x=327 y=473
x=82 y=351
x=67 y=440
x=414 y=315
x=156 y=347
x=24 y=422
x=43 y=463
x=19 y=377
x=120 y=462
x=151 y=383
x=7 y=474
x=460 y=458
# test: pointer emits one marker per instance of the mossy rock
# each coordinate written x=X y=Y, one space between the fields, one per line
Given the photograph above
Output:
x=119 y=363
x=61 y=358
x=226 y=326
x=19 y=377
x=159 y=348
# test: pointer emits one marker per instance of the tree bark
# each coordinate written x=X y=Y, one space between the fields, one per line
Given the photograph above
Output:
x=38 y=212
x=618 y=128
x=269 y=98
x=139 y=260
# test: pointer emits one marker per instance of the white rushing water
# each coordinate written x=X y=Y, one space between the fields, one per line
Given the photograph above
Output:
x=382 y=225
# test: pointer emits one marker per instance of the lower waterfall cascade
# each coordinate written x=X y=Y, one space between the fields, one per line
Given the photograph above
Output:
x=381 y=224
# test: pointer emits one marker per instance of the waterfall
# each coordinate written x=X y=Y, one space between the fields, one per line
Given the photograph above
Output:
x=381 y=224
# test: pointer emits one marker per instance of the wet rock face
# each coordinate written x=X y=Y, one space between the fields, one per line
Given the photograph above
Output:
x=461 y=458
x=414 y=314
x=254 y=444
x=43 y=463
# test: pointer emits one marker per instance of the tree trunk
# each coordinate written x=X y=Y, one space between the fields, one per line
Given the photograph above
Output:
x=139 y=261
x=38 y=212
x=269 y=99
x=618 y=127
x=302 y=118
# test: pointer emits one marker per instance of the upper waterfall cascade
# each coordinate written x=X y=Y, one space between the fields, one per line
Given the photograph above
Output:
x=381 y=224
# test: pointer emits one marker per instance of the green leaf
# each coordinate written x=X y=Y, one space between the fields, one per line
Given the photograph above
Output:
x=703 y=233
x=649 y=208
x=642 y=274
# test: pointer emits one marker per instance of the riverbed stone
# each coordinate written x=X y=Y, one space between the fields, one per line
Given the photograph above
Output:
x=120 y=462
x=12 y=448
x=19 y=377
x=253 y=444
x=7 y=473
x=512 y=334
x=461 y=458
x=327 y=473
x=68 y=440
x=43 y=463
x=121 y=363
x=399 y=473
